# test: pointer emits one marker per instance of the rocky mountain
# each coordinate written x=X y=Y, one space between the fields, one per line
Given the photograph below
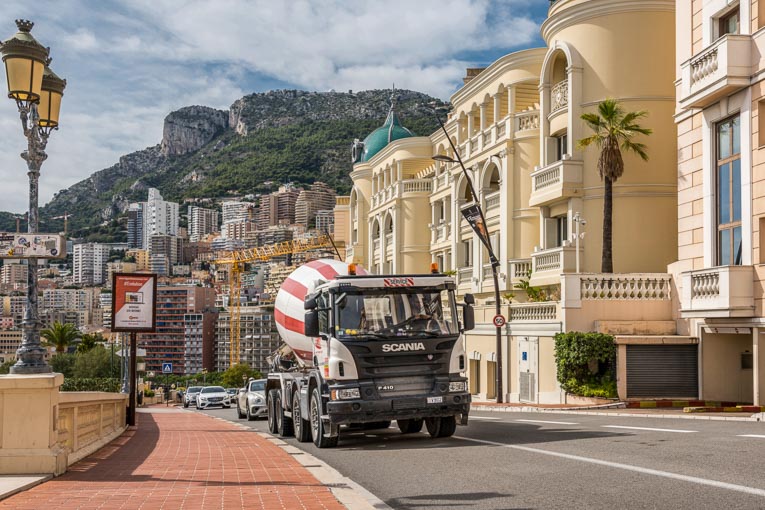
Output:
x=263 y=140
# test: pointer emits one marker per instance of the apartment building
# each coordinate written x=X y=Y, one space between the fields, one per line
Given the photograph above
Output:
x=318 y=197
x=13 y=272
x=168 y=342
x=135 y=225
x=515 y=126
x=258 y=338
x=199 y=348
x=159 y=217
x=202 y=222
x=89 y=263
x=720 y=115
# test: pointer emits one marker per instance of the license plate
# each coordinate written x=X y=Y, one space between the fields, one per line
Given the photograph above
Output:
x=435 y=400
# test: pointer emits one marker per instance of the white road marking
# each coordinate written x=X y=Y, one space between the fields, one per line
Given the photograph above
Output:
x=627 y=467
x=680 y=431
x=551 y=422
x=752 y=435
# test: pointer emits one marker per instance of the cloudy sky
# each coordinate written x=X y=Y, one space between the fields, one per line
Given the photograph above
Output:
x=128 y=63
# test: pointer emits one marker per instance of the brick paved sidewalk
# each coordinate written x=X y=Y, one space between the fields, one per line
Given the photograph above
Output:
x=182 y=460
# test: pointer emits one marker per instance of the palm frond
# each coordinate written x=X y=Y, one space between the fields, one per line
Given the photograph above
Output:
x=638 y=148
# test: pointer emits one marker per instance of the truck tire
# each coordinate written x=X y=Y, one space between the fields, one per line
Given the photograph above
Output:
x=317 y=426
x=284 y=422
x=302 y=427
x=441 y=427
x=411 y=426
x=272 y=425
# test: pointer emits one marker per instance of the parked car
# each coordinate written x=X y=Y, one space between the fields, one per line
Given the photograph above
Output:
x=212 y=396
x=190 y=395
x=232 y=394
x=251 y=400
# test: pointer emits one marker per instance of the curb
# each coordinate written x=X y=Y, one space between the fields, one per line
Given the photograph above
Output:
x=534 y=409
x=654 y=404
x=13 y=484
x=594 y=412
x=725 y=409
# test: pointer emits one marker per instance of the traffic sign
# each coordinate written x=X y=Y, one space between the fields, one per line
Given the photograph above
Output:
x=167 y=368
x=499 y=320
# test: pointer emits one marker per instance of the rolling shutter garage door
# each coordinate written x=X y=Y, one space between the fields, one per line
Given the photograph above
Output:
x=662 y=371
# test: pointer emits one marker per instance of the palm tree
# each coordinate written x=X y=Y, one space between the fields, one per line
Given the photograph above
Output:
x=90 y=341
x=60 y=335
x=613 y=132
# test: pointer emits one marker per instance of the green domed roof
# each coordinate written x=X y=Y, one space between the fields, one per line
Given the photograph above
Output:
x=382 y=136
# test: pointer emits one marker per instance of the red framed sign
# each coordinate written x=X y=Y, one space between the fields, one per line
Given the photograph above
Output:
x=134 y=302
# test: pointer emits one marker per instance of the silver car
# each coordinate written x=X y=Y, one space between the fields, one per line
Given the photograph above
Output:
x=251 y=400
x=212 y=396
x=190 y=396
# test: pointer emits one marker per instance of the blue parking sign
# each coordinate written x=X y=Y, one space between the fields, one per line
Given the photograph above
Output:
x=167 y=368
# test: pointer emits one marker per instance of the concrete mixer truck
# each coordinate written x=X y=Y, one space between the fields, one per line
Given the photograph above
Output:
x=362 y=350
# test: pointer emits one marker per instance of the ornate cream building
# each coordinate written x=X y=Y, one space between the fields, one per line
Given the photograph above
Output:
x=720 y=115
x=686 y=331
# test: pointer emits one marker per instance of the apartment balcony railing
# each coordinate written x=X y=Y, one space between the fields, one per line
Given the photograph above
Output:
x=559 y=96
x=492 y=203
x=526 y=121
x=464 y=275
x=398 y=189
x=576 y=288
x=718 y=70
x=548 y=265
x=534 y=312
x=486 y=272
x=550 y=183
x=443 y=231
x=501 y=129
x=724 y=291
x=440 y=181
x=518 y=270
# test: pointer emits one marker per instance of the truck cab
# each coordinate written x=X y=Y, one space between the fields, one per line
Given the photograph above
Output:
x=389 y=348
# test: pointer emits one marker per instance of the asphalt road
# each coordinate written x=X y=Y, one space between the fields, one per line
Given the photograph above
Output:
x=549 y=460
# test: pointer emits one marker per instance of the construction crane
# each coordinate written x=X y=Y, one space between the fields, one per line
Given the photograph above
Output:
x=238 y=258
x=65 y=217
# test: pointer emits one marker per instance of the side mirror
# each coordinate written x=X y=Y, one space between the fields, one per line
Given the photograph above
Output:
x=310 y=303
x=311 y=324
x=468 y=317
x=469 y=299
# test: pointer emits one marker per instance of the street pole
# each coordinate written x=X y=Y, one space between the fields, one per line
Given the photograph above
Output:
x=577 y=221
x=492 y=256
x=133 y=379
x=32 y=84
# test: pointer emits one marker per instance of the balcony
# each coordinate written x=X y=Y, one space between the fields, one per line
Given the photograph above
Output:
x=548 y=265
x=492 y=204
x=725 y=291
x=561 y=179
x=519 y=270
x=464 y=275
x=534 y=312
x=559 y=97
x=526 y=121
x=717 y=71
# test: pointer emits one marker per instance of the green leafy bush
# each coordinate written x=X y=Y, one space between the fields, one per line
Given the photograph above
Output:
x=91 y=384
x=585 y=363
x=148 y=393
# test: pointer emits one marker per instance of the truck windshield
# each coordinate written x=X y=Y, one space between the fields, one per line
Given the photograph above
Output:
x=398 y=312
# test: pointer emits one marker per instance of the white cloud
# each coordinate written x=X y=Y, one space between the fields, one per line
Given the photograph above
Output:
x=130 y=62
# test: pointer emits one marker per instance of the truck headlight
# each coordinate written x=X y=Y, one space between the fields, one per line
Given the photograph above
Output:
x=456 y=386
x=345 y=394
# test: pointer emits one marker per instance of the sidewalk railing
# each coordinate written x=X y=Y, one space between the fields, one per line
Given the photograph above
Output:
x=89 y=420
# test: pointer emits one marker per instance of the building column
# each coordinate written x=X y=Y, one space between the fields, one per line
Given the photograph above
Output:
x=482 y=118
x=395 y=263
x=497 y=109
x=470 y=126
x=510 y=110
x=758 y=372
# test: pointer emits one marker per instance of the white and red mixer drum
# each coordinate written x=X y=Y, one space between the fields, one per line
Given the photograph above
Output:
x=289 y=310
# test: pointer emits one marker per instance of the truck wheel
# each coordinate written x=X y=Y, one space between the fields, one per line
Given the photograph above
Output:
x=411 y=426
x=376 y=425
x=441 y=427
x=284 y=422
x=302 y=426
x=272 y=425
x=317 y=426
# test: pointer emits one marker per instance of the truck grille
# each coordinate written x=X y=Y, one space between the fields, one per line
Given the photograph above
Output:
x=408 y=403
x=372 y=363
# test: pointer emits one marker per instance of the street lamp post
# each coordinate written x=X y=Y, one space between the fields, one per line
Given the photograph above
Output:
x=578 y=222
x=37 y=92
x=487 y=243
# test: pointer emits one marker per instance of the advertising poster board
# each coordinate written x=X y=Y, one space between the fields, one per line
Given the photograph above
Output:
x=133 y=302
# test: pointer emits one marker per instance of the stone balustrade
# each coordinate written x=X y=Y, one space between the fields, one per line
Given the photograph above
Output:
x=526 y=120
x=89 y=420
x=534 y=312
x=637 y=286
x=559 y=96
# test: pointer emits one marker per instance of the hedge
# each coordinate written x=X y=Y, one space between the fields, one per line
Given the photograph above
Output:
x=585 y=363
x=91 y=384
